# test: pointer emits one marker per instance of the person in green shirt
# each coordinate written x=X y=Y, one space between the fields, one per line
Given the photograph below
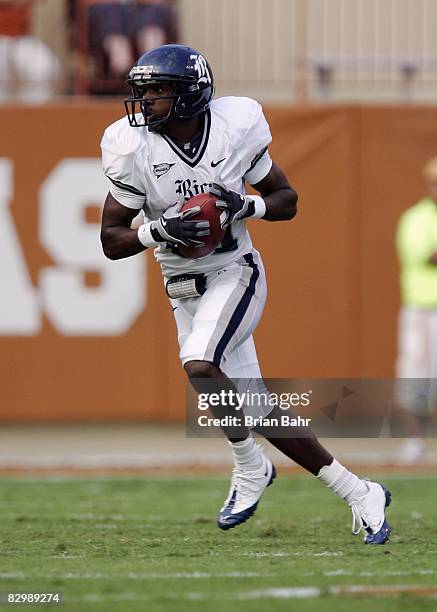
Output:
x=416 y=366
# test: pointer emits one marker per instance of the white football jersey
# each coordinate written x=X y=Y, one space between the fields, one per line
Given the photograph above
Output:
x=148 y=171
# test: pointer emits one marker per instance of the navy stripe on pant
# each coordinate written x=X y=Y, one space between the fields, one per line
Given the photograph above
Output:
x=239 y=312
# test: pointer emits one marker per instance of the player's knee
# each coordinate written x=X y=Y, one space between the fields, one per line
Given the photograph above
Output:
x=201 y=369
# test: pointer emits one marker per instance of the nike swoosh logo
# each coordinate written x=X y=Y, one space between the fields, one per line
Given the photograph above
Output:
x=214 y=164
x=164 y=222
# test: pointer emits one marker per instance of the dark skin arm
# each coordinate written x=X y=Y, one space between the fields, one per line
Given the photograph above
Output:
x=433 y=259
x=118 y=239
x=279 y=196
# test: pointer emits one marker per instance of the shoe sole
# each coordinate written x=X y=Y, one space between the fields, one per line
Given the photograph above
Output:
x=383 y=534
x=246 y=514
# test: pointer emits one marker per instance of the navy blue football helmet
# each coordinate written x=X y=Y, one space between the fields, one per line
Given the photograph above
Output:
x=186 y=69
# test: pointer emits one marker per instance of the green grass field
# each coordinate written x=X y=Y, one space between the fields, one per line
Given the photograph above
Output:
x=151 y=543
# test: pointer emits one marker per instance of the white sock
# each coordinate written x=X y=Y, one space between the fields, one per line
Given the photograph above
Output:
x=247 y=454
x=342 y=482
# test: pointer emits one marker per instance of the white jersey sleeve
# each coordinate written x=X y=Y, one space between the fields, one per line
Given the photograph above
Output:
x=256 y=161
x=122 y=151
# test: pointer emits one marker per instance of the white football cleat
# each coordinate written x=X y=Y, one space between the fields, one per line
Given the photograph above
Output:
x=368 y=514
x=246 y=490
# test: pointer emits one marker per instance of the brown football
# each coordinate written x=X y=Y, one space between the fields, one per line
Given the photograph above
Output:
x=208 y=212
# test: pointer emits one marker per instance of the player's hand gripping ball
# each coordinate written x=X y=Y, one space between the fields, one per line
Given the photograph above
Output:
x=208 y=212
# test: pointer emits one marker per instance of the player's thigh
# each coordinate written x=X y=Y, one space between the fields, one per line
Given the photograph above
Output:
x=413 y=366
x=433 y=344
x=413 y=343
x=183 y=312
x=228 y=313
x=242 y=362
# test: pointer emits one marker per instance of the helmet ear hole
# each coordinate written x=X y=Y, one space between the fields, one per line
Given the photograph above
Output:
x=193 y=104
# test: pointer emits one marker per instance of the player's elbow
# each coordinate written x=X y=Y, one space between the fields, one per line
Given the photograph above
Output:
x=107 y=246
x=291 y=205
x=109 y=253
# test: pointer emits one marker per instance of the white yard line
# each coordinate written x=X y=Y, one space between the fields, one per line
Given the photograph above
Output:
x=199 y=575
x=134 y=575
x=13 y=575
x=351 y=589
x=324 y=553
x=305 y=592
x=343 y=572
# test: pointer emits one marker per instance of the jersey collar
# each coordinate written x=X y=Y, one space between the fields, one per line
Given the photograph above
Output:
x=192 y=160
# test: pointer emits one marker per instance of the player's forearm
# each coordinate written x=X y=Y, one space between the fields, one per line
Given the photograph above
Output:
x=120 y=242
x=433 y=259
x=281 y=205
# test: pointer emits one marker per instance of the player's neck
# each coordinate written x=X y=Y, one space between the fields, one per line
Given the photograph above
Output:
x=183 y=130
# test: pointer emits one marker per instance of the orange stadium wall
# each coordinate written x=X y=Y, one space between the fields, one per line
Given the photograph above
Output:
x=83 y=338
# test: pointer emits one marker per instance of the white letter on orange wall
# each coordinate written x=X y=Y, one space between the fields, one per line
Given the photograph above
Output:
x=75 y=309
x=19 y=307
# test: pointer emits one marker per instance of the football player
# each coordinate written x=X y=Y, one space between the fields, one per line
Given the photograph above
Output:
x=175 y=143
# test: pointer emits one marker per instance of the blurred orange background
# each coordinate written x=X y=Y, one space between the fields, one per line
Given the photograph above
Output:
x=332 y=272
